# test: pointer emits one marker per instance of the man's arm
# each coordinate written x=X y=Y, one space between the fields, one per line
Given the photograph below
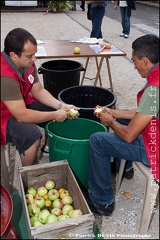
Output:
x=43 y=96
x=18 y=110
x=125 y=114
x=127 y=133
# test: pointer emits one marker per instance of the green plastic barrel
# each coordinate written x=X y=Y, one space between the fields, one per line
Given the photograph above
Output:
x=70 y=140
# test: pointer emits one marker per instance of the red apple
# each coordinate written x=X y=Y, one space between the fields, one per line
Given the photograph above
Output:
x=56 y=211
x=49 y=184
x=57 y=203
x=76 y=213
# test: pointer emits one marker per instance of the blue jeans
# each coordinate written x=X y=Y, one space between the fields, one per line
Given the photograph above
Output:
x=97 y=17
x=125 y=20
x=103 y=146
x=117 y=161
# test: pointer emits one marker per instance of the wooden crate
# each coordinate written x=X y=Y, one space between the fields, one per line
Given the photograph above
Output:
x=61 y=173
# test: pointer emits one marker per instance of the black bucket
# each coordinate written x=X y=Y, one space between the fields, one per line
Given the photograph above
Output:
x=86 y=98
x=60 y=74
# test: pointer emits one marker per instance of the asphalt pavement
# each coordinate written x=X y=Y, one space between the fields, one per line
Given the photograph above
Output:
x=73 y=25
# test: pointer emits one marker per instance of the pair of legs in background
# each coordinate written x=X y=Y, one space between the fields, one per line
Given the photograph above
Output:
x=97 y=15
x=125 y=18
x=82 y=6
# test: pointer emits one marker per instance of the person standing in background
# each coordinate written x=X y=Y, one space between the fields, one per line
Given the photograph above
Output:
x=82 y=6
x=97 y=13
x=125 y=10
x=45 y=3
x=74 y=6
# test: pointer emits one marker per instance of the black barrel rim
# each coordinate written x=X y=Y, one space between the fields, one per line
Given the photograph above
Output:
x=91 y=87
x=77 y=68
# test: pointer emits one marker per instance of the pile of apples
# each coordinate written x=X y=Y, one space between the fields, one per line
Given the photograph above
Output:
x=47 y=204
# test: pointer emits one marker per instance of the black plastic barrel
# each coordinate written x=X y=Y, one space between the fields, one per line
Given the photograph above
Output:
x=60 y=74
x=86 y=98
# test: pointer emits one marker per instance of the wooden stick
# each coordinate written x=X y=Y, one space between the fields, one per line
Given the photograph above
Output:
x=101 y=49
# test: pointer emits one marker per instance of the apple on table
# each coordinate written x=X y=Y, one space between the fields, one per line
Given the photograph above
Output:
x=76 y=50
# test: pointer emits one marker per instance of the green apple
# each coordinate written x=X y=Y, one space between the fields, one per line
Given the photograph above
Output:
x=42 y=217
x=31 y=214
x=73 y=112
x=76 y=50
x=35 y=209
x=98 y=110
x=70 y=213
x=32 y=191
x=29 y=198
x=67 y=200
x=39 y=201
x=66 y=209
x=53 y=194
x=51 y=218
x=33 y=219
x=42 y=191
x=37 y=223
x=63 y=217
x=64 y=193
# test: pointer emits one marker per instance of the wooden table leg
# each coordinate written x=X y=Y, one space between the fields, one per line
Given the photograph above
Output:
x=98 y=72
x=100 y=81
x=109 y=74
x=84 y=73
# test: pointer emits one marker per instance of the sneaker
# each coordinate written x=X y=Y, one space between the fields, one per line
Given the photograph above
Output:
x=121 y=35
x=105 y=210
x=126 y=35
x=128 y=174
x=45 y=149
x=82 y=8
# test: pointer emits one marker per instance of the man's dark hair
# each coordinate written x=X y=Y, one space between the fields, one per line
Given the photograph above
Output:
x=16 y=39
x=147 y=46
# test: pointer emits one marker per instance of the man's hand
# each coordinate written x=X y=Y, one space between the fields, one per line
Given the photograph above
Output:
x=106 y=118
x=60 y=115
x=67 y=107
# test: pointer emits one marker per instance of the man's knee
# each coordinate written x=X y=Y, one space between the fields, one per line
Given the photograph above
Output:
x=32 y=137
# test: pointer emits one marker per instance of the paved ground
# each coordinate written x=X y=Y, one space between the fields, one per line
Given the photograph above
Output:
x=124 y=223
